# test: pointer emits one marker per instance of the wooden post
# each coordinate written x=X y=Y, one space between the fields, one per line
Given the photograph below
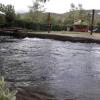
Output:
x=92 y=23
x=49 y=23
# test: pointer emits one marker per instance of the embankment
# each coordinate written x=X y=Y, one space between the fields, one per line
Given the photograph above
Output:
x=44 y=35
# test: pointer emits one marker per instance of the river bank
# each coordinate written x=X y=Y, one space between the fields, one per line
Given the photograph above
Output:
x=68 y=36
x=28 y=93
x=62 y=36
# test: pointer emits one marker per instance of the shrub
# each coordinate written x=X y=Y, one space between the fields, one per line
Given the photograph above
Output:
x=5 y=93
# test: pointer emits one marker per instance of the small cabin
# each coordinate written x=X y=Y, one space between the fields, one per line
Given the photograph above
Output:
x=80 y=26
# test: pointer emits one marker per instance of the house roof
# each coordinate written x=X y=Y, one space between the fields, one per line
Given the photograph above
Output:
x=80 y=22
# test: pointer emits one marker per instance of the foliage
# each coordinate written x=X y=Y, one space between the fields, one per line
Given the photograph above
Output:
x=36 y=19
x=2 y=7
x=37 y=6
x=43 y=0
x=2 y=20
x=35 y=11
x=5 y=93
x=9 y=13
x=98 y=23
x=76 y=14
x=2 y=17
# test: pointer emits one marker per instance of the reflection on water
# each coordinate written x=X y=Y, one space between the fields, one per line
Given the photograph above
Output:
x=63 y=69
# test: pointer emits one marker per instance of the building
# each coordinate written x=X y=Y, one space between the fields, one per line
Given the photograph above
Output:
x=80 y=26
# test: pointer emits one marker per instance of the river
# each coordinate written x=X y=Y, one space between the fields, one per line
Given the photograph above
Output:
x=62 y=69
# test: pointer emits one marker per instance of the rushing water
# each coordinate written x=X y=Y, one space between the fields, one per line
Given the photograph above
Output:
x=63 y=69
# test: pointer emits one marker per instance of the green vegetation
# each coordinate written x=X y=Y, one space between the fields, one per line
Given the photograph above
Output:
x=5 y=93
x=76 y=14
x=37 y=19
x=9 y=16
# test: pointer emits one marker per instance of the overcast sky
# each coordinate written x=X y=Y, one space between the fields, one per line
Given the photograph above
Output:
x=57 y=6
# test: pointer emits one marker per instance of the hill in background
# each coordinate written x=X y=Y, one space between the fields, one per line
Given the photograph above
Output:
x=64 y=16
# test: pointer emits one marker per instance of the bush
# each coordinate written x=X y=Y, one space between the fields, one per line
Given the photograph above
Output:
x=34 y=26
x=5 y=93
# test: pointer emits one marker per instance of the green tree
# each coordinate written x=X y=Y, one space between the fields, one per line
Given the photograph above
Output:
x=69 y=20
x=72 y=5
x=18 y=16
x=98 y=23
x=2 y=20
x=35 y=11
x=43 y=0
x=2 y=17
x=81 y=12
x=2 y=7
x=10 y=13
x=77 y=13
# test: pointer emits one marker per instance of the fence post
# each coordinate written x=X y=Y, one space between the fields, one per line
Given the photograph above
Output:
x=49 y=23
x=92 y=23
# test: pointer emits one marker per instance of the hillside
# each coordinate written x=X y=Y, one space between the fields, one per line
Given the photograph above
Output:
x=64 y=15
